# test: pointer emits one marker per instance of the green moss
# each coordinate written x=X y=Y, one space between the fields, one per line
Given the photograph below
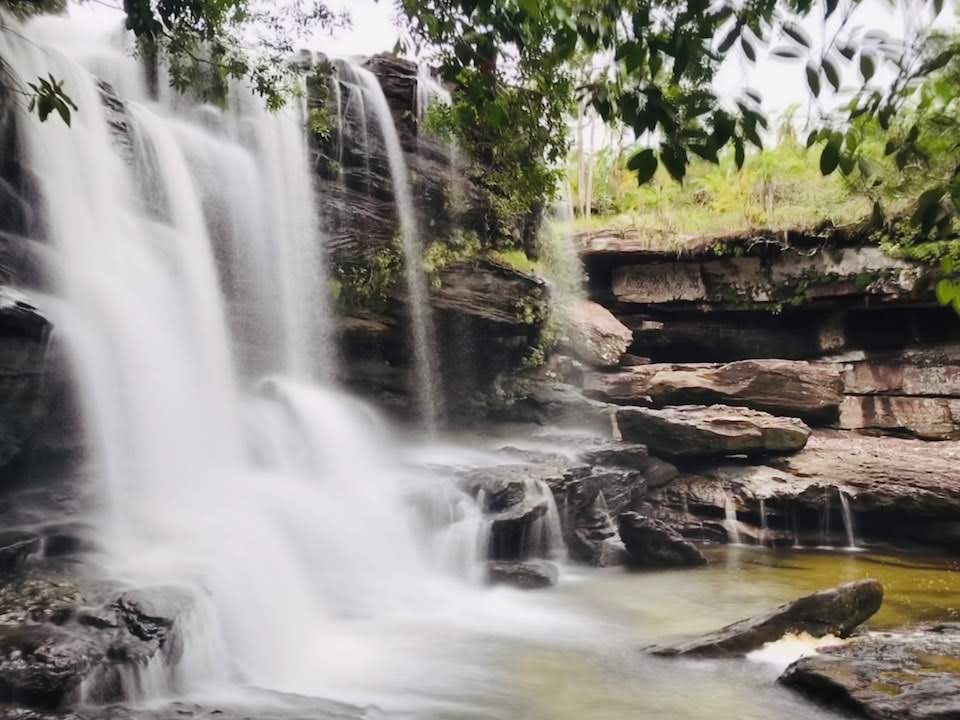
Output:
x=366 y=284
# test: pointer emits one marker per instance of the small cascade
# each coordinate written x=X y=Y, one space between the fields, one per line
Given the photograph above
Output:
x=561 y=261
x=730 y=522
x=848 y=521
x=764 y=525
x=429 y=91
x=795 y=526
x=421 y=316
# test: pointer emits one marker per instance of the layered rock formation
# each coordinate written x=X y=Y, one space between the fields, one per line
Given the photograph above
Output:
x=743 y=333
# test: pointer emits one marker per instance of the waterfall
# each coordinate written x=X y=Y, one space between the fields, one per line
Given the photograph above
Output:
x=279 y=505
x=429 y=91
x=848 y=523
x=421 y=316
x=764 y=526
x=730 y=522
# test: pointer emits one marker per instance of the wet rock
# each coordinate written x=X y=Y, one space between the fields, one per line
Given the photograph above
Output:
x=892 y=676
x=549 y=402
x=594 y=335
x=717 y=430
x=650 y=543
x=529 y=575
x=780 y=387
x=927 y=418
x=900 y=490
x=922 y=371
x=493 y=292
x=24 y=333
x=149 y=613
x=837 y=611
x=15 y=547
x=516 y=500
x=55 y=635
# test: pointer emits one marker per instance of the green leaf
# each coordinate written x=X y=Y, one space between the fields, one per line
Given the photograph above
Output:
x=830 y=157
x=946 y=291
x=644 y=164
x=675 y=160
x=813 y=79
x=730 y=38
x=748 y=49
x=813 y=137
x=830 y=70
x=797 y=33
x=787 y=51
x=831 y=6
x=868 y=66
x=739 y=153
x=531 y=7
x=846 y=163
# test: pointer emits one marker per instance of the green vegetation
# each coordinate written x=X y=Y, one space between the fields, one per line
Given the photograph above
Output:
x=367 y=283
x=778 y=187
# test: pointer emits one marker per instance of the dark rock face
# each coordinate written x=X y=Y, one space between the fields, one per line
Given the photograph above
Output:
x=24 y=334
x=894 y=676
x=516 y=500
x=57 y=634
x=717 y=430
x=529 y=575
x=650 y=543
x=837 y=611
x=779 y=387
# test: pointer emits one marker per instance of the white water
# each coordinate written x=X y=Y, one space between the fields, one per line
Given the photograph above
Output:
x=848 y=523
x=312 y=550
x=424 y=351
x=730 y=522
x=764 y=523
x=429 y=91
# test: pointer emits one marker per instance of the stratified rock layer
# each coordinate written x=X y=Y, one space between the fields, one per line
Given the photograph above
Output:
x=594 y=335
x=717 y=430
x=779 y=387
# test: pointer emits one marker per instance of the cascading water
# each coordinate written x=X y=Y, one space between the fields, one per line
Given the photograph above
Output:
x=764 y=523
x=277 y=505
x=730 y=522
x=848 y=523
x=421 y=316
x=825 y=539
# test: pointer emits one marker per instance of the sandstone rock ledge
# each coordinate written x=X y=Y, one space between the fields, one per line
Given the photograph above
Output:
x=892 y=676
x=717 y=430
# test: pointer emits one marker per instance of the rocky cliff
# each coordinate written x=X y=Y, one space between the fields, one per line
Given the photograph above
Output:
x=734 y=336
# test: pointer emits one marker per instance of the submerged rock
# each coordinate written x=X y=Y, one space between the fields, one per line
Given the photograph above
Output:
x=892 y=676
x=717 y=430
x=837 y=611
x=650 y=543
x=528 y=575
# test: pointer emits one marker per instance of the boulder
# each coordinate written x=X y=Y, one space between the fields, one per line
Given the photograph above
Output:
x=911 y=675
x=837 y=611
x=780 y=387
x=594 y=335
x=549 y=402
x=650 y=543
x=717 y=430
x=529 y=575
x=928 y=418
